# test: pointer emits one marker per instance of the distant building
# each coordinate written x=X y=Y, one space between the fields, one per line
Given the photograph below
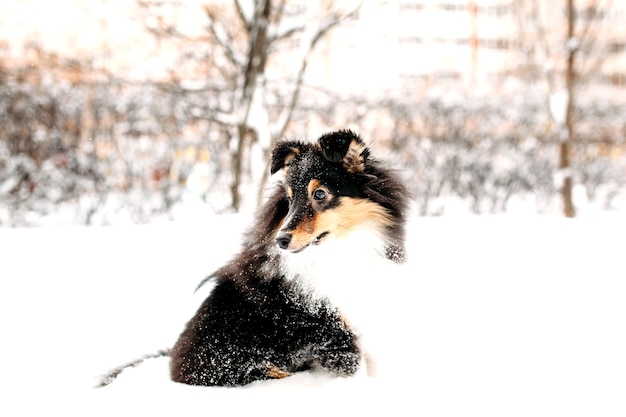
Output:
x=392 y=45
x=395 y=43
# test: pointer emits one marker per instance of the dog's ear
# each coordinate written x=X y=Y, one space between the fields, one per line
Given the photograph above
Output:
x=345 y=146
x=284 y=153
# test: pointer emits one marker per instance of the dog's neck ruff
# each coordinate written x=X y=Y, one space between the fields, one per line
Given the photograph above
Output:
x=340 y=271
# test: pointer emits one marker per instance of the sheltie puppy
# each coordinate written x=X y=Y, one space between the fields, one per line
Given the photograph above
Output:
x=283 y=304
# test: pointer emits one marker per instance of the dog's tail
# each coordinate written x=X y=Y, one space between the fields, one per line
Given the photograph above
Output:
x=114 y=373
x=203 y=282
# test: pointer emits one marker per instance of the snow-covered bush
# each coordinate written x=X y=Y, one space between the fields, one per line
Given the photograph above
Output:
x=109 y=151
x=90 y=152
x=487 y=150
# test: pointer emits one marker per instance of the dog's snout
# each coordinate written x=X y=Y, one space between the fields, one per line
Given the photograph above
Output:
x=283 y=239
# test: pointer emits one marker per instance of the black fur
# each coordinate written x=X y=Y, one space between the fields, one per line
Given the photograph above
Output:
x=335 y=145
x=256 y=324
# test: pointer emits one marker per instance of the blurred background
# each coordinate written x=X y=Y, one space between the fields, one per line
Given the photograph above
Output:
x=126 y=111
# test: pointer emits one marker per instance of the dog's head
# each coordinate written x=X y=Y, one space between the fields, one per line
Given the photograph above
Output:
x=333 y=189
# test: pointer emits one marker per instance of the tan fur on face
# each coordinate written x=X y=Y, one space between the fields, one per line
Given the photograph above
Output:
x=303 y=234
x=313 y=185
x=350 y=214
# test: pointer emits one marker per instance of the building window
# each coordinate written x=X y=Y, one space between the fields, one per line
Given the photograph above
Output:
x=448 y=75
x=617 y=47
x=497 y=43
x=410 y=5
x=452 y=7
x=498 y=10
x=591 y=13
x=410 y=40
x=617 y=78
x=451 y=41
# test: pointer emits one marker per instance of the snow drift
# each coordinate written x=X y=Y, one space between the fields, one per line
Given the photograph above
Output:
x=496 y=316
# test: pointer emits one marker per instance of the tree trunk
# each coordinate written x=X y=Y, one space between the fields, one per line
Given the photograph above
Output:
x=566 y=140
x=238 y=168
x=255 y=67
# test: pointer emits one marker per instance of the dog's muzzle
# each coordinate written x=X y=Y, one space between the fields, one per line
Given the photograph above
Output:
x=283 y=240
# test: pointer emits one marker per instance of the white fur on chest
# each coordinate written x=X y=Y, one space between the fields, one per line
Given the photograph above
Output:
x=353 y=275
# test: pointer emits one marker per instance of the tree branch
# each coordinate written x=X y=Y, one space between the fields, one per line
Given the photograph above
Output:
x=247 y=24
x=335 y=20
x=222 y=39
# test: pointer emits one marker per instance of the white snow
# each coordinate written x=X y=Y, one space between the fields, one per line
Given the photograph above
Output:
x=499 y=315
x=558 y=106
x=573 y=44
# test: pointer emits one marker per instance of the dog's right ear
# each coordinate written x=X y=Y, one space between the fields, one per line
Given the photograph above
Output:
x=284 y=153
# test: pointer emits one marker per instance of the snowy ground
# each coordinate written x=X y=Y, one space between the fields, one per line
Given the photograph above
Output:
x=503 y=316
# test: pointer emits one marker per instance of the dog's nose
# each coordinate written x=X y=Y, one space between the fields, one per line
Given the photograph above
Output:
x=283 y=240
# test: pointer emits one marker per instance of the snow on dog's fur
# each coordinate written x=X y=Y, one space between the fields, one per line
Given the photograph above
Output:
x=290 y=300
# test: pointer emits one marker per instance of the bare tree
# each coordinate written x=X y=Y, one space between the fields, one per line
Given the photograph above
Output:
x=239 y=53
x=566 y=61
x=564 y=149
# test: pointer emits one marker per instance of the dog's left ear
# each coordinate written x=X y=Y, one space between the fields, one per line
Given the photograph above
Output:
x=284 y=153
x=345 y=146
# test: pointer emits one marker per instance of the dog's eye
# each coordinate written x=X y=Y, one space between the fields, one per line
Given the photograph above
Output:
x=319 y=194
